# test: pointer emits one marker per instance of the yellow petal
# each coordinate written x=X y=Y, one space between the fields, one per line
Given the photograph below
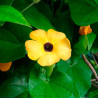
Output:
x=39 y=35
x=48 y=59
x=84 y=30
x=55 y=36
x=34 y=49
x=5 y=66
x=63 y=49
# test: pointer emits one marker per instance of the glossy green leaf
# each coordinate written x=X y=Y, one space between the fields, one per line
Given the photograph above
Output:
x=84 y=42
x=16 y=86
x=63 y=66
x=34 y=15
x=91 y=37
x=36 y=19
x=10 y=48
x=60 y=85
x=79 y=73
x=10 y=14
x=75 y=58
x=5 y=2
x=81 y=45
x=84 y=12
x=13 y=87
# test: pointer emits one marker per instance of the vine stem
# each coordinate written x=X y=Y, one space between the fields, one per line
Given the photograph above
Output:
x=94 y=59
x=90 y=66
x=27 y=7
x=95 y=85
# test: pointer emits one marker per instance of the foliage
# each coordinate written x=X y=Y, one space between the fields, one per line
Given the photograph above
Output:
x=26 y=79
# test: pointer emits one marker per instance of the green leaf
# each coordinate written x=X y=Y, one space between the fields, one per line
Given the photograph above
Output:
x=81 y=46
x=19 y=31
x=95 y=46
x=84 y=42
x=93 y=94
x=91 y=37
x=95 y=28
x=62 y=66
x=63 y=23
x=34 y=15
x=60 y=85
x=10 y=14
x=75 y=58
x=13 y=87
x=79 y=73
x=16 y=84
x=23 y=95
x=84 y=12
x=49 y=70
x=10 y=48
x=36 y=19
x=5 y=2
x=22 y=66
x=44 y=9
x=25 y=3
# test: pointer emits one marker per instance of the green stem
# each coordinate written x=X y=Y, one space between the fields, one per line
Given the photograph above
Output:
x=49 y=70
x=27 y=7
x=94 y=59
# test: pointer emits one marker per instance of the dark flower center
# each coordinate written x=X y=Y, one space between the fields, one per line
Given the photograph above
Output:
x=48 y=47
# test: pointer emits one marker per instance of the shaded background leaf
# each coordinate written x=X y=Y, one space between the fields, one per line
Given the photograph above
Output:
x=84 y=12
x=10 y=47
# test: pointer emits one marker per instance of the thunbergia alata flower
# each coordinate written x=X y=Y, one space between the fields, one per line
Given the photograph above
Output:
x=48 y=47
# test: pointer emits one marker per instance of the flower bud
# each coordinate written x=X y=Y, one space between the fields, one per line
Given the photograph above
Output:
x=36 y=1
x=84 y=30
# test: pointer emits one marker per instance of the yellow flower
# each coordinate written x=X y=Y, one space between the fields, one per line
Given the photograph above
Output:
x=48 y=47
x=5 y=66
x=84 y=30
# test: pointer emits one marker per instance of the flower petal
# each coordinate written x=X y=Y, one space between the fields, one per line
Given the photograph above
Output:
x=55 y=36
x=48 y=59
x=39 y=35
x=5 y=66
x=34 y=49
x=63 y=49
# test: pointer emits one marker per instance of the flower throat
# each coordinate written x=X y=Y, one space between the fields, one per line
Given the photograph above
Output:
x=48 y=47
